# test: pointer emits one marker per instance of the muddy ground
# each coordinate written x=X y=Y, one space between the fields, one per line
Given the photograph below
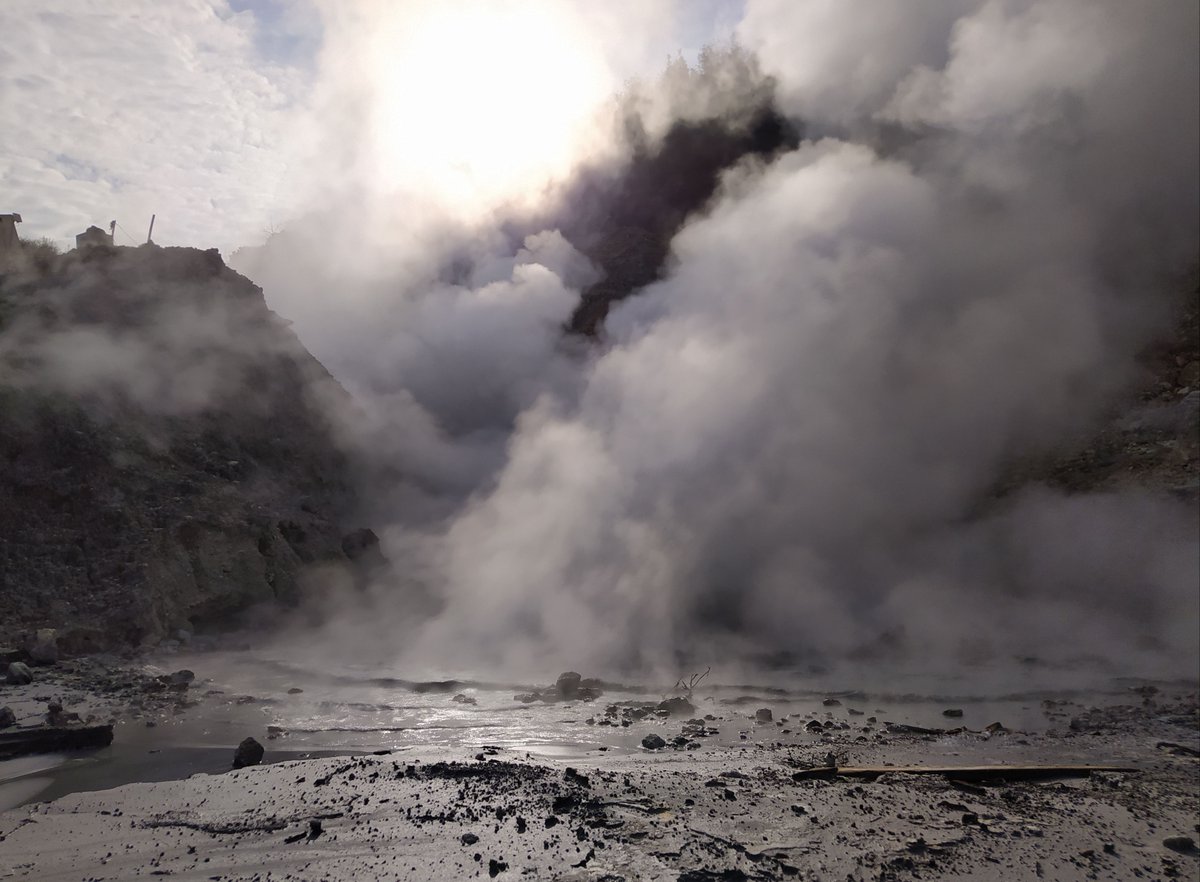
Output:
x=568 y=791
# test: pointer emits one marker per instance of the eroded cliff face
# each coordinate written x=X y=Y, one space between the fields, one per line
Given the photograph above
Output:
x=166 y=455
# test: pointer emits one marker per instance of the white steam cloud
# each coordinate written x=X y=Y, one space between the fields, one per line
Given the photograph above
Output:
x=783 y=446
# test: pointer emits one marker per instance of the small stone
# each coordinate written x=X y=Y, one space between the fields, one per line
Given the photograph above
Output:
x=469 y=839
x=461 y=698
x=952 y=712
x=551 y=821
x=653 y=742
x=248 y=753
x=179 y=680
x=996 y=728
x=19 y=674
x=763 y=715
x=495 y=867
x=294 y=691
x=7 y=717
x=831 y=702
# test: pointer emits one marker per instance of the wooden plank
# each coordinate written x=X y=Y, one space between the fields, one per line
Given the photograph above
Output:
x=961 y=773
x=51 y=739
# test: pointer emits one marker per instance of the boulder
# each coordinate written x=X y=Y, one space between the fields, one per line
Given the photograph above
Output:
x=677 y=707
x=44 y=650
x=763 y=715
x=19 y=674
x=248 y=753
x=7 y=717
x=567 y=684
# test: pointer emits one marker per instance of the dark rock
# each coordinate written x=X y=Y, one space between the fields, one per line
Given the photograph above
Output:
x=248 y=753
x=468 y=839
x=526 y=697
x=52 y=739
x=567 y=684
x=831 y=702
x=653 y=742
x=460 y=698
x=495 y=867
x=813 y=726
x=179 y=680
x=19 y=674
x=44 y=650
x=361 y=544
x=56 y=716
x=7 y=717
x=294 y=691
x=677 y=707
x=952 y=712
x=763 y=715
x=1184 y=844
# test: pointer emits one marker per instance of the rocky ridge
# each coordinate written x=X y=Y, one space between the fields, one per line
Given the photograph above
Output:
x=166 y=459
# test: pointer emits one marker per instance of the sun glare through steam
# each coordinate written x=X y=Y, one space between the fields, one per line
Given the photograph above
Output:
x=483 y=103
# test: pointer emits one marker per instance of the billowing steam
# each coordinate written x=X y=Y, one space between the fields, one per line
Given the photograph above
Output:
x=785 y=446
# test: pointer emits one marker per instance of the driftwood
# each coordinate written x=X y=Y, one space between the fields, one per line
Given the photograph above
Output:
x=51 y=739
x=959 y=773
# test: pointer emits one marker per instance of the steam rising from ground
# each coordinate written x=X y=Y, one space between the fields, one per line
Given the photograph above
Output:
x=782 y=447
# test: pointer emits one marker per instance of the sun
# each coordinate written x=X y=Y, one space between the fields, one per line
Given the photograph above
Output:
x=483 y=103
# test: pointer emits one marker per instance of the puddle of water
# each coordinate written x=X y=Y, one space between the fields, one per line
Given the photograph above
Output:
x=356 y=709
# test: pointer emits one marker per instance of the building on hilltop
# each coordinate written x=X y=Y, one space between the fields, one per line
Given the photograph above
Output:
x=10 y=242
x=93 y=236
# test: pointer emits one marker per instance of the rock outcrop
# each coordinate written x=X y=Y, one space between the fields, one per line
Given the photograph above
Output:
x=166 y=459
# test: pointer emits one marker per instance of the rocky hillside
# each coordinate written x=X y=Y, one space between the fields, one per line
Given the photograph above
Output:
x=164 y=458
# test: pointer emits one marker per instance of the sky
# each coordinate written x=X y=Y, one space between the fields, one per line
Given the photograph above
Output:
x=192 y=110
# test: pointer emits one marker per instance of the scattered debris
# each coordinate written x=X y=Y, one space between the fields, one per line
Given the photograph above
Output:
x=961 y=773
